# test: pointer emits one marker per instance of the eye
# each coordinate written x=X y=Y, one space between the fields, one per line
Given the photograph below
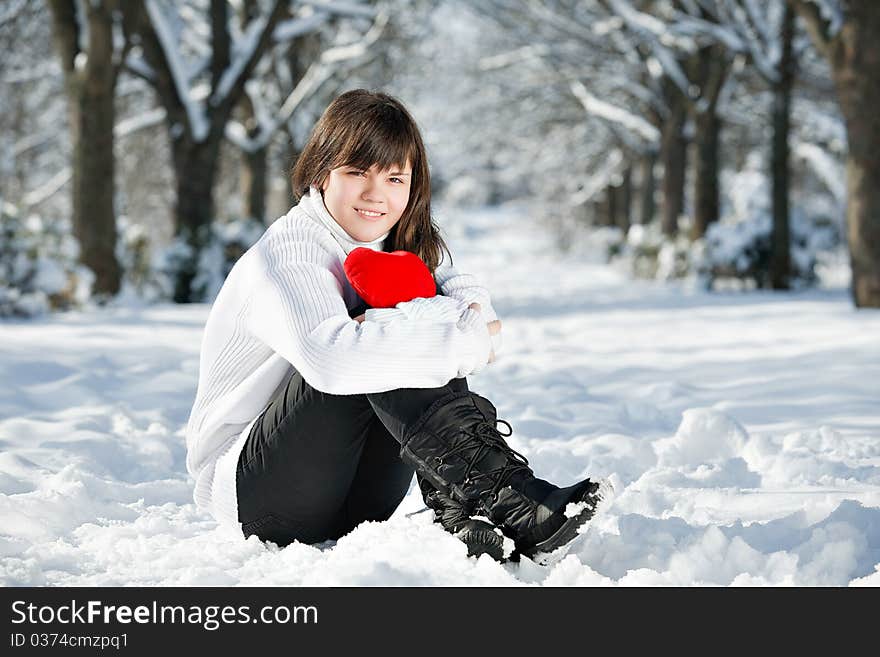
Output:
x=397 y=179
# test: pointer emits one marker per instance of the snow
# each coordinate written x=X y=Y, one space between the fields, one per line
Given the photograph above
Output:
x=740 y=432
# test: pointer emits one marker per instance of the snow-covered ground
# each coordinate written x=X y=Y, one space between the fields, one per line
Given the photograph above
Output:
x=741 y=431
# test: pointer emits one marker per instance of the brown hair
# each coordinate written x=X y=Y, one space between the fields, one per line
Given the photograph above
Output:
x=361 y=128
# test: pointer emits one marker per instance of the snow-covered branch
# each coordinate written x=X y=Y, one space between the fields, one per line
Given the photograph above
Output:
x=823 y=18
x=167 y=37
x=143 y=121
x=340 y=8
x=516 y=56
x=613 y=113
x=652 y=31
x=318 y=72
x=47 y=189
x=609 y=169
x=824 y=166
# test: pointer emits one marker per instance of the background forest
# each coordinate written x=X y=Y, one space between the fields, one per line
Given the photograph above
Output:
x=731 y=143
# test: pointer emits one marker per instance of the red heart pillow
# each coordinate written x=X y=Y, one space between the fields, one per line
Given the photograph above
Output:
x=385 y=279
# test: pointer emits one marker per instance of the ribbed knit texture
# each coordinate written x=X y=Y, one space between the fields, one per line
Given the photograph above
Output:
x=285 y=305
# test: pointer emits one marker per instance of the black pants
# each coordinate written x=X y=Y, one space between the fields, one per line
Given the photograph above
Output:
x=316 y=465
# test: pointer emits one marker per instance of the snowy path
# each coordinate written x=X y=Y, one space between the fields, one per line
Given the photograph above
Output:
x=742 y=432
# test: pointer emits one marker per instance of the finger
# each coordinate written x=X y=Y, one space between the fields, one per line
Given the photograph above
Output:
x=360 y=318
x=491 y=357
x=475 y=306
x=494 y=327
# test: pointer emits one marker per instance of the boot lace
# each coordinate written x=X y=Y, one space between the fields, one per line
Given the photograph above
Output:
x=489 y=438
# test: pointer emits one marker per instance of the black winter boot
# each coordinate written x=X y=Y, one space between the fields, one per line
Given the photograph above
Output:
x=455 y=517
x=456 y=446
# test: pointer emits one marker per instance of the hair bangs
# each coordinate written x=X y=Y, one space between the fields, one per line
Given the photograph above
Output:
x=384 y=141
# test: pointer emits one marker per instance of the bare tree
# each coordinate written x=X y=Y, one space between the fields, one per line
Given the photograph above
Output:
x=764 y=34
x=847 y=33
x=780 y=245
x=199 y=82
x=305 y=65
x=91 y=60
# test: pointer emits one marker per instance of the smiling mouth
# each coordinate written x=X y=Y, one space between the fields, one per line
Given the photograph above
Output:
x=369 y=214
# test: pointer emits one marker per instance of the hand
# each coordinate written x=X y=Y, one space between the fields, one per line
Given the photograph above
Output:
x=494 y=328
x=360 y=318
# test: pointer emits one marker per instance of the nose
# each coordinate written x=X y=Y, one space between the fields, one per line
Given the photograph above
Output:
x=370 y=193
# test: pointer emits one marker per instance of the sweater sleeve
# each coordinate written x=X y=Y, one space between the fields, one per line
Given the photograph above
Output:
x=464 y=287
x=296 y=308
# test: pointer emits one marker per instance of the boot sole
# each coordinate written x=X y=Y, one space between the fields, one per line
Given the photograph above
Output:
x=482 y=541
x=541 y=552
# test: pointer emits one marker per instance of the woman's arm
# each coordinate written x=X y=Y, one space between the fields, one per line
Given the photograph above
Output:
x=464 y=287
x=493 y=326
x=296 y=308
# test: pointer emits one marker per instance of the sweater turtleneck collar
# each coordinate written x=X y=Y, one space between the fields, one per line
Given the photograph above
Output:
x=315 y=208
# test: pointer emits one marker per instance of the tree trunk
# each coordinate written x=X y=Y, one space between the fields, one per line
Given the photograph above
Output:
x=708 y=127
x=624 y=201
x=710 y=67
x=780 y=248
x=195 y=168
x=195 y=154
x=856 y=70
x=673 y=155
x=647 y=188
x=253 y=184
x=611 y=201
x=90 y=94
x=304 y=51
x=253 y=169
x=854 y=53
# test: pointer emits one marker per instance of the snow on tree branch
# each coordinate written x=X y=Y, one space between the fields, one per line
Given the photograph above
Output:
x=317 y=73
x=296 y=27
x=163 y=25
x=502 y=60
x=338 y=8
x=605 y=174
x=825 y=167
x=244 y=51
x=831 y=13
x=142 y=121
x=651 y=29
x=47 y=189
x=824 y=18
x=12 y=10
x=612 y=113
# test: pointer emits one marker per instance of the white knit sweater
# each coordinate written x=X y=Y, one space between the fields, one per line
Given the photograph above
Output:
x=285 y=305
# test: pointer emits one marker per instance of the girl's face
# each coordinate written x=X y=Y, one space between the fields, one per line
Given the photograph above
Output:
x=367 y=204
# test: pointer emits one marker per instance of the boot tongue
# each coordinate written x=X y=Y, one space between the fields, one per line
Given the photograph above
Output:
x=558 y=499
x=486 y=407
x=532 y=487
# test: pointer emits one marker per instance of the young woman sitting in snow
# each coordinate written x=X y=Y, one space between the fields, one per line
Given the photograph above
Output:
x=314 y=408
